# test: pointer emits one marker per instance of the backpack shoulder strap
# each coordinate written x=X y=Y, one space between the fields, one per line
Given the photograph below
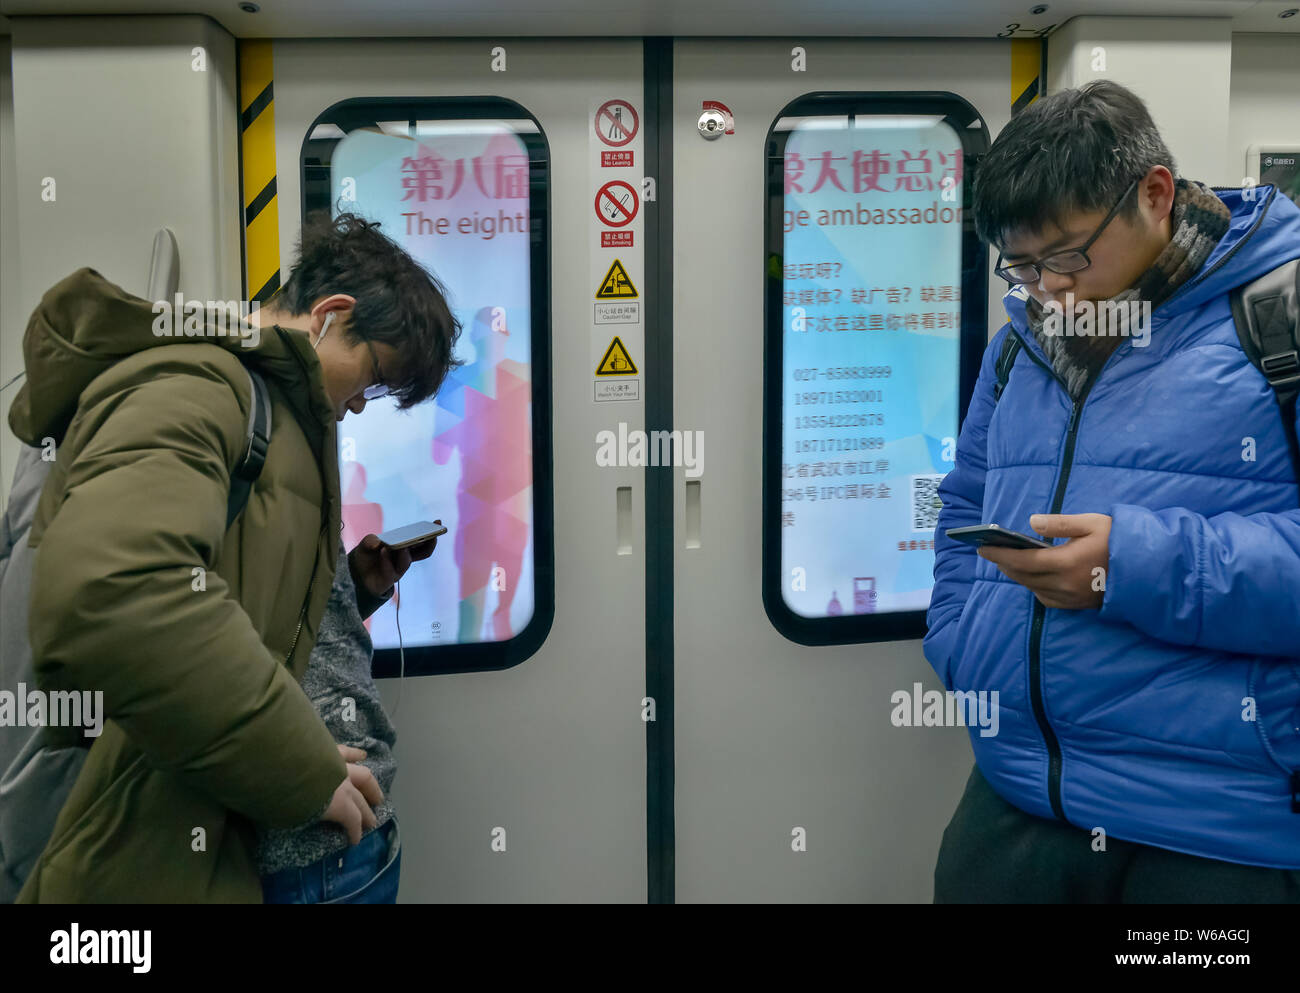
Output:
x=1007 y=358
x=1267 y=314
x=254 y=457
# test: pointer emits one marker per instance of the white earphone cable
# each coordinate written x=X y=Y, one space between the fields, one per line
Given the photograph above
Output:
x=401 y=676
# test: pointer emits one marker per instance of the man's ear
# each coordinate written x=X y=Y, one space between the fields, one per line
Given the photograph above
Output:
x=1156 y=193
x=336 y=307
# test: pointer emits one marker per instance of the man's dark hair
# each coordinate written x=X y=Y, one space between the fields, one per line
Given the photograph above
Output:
x=1074 y=151
x=399 y=303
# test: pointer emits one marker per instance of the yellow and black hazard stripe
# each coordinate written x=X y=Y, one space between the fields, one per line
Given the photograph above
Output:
x=1027 y=71
x=257 y=170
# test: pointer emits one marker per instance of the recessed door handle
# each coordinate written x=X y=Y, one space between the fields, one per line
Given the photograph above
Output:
x=693 y=513
x=623 y=519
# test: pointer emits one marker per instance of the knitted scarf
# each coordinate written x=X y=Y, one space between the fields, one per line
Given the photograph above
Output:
x=1199 y=220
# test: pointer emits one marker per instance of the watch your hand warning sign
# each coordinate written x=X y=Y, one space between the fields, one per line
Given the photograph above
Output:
x=616 y=362
x=617 y=284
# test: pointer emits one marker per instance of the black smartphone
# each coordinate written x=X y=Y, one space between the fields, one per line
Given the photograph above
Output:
x=998 y=537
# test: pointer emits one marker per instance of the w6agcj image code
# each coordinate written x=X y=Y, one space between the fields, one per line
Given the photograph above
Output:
x=925 y=502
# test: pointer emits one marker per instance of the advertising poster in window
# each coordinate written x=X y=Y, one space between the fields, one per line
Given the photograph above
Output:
x=871 y=302
x=455 y=195
x=1281 y=169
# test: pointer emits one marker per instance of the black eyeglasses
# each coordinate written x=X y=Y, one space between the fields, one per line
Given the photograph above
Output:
x=1073 y=260
x=380 y=389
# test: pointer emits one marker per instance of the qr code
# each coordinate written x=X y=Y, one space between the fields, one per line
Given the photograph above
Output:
x=925 y=502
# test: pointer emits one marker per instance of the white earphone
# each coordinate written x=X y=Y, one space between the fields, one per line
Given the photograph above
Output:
x=323 y=328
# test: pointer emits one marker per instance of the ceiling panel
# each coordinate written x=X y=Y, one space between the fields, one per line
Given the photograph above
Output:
x=679 y=18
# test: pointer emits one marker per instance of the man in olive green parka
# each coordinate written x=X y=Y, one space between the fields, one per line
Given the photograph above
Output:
x=196 y=635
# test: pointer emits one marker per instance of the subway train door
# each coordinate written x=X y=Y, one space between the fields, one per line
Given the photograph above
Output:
x=520 y=743
x=792 y=782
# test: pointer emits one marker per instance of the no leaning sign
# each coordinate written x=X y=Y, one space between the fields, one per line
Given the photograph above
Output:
x=616 y=123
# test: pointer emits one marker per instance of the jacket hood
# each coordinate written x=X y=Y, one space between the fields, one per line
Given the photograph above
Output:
x=1263 y=233
x=84 y=324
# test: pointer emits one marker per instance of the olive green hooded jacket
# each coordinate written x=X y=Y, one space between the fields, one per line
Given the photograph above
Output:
x=195 y=635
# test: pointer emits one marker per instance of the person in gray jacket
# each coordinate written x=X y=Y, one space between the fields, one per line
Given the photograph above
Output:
x=28 y=804
x=315 y=863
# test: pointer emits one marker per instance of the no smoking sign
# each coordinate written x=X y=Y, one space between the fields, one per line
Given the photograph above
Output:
x=616 y=203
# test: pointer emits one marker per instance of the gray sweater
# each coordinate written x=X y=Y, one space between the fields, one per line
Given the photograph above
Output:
x=339 y=670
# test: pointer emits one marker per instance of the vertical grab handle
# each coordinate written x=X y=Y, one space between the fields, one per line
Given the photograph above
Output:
x=692 y=513
x=623 y=519
x=164 y=266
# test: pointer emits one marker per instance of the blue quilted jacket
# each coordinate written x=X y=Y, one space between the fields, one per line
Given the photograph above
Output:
x=1171 y=716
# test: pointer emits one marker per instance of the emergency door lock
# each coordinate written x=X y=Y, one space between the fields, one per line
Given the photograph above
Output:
x=715 y=121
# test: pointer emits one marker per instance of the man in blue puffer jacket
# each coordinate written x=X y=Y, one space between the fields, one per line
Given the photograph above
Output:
x=1148 y=665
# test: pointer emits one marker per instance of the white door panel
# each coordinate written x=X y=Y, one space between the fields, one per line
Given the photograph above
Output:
x=770 y=735
x=552 y=750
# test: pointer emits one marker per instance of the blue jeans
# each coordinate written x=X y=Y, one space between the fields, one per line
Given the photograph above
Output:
x=366 y=872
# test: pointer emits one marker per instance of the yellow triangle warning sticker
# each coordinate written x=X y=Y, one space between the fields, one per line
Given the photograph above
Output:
x=617 y=284
x=617 y=362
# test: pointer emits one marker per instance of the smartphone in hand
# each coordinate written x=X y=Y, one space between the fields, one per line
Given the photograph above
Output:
x=995 y=537
x=411 y=534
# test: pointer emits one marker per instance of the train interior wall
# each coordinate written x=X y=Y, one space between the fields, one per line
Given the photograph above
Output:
x=769 y=734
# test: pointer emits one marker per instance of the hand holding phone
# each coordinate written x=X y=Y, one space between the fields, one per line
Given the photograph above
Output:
x=1068 y=576
x=380 y=560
